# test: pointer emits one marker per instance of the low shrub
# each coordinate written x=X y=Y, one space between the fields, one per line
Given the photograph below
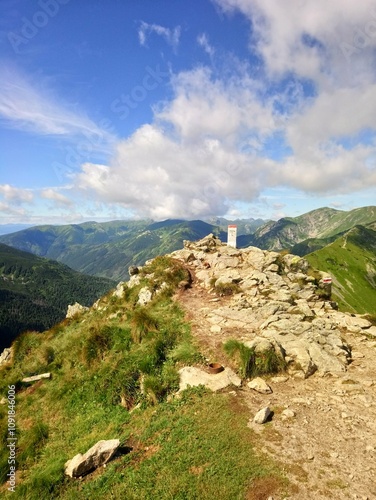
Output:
x=165 y=269
x=246 y=356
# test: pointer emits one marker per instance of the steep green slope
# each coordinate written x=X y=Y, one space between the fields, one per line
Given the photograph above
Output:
x=346 y=220
x=320 y=223
x=35 y=292
x=312 y=245
x=351 y=260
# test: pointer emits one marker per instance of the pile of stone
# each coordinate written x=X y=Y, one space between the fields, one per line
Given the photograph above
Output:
x=279 y=304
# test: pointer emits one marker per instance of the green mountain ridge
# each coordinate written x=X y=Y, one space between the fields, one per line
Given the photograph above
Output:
x=351 y=261
x=35 y=292
x=108 y=249
x=321 y=223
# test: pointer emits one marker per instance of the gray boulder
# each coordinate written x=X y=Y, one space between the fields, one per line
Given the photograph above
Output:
x=262 y=415
x=97 y=455
x=144 y=296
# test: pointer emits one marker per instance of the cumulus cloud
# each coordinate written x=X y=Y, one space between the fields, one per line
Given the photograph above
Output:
x=15 y=195
x=206 y=151
x=158 y=177
x=196 y=168
x=312 y=39
x=172 y=36
x=336 y=114
x=306 y=124
x=205 y=106
x=335 y=170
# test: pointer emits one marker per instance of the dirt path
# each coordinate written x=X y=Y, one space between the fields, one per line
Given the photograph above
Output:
x=328 y=448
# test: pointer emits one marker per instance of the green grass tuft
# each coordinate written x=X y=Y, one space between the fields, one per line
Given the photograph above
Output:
x=252 y=363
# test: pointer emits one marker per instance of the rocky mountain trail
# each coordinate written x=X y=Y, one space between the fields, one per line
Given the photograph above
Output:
x=323 y=424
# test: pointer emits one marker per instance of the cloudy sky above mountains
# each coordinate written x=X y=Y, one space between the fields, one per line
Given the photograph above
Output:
x=169 y=108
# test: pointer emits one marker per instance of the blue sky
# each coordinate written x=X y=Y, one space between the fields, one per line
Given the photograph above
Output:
x=174 y=108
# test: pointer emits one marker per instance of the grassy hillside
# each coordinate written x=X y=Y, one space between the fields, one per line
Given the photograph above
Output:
x=113 y=372
x=351 y=260
x=346 y=220
x=35 y=292
x=312 y=245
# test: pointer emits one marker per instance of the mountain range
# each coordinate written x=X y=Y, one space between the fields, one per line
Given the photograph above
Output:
x=107 y=249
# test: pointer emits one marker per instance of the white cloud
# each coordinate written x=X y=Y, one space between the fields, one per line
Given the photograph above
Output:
x=15 y=195
x=30 y=107
x=203 y=41
x=337 y=114
x=55 y=196
x=208 y=148
x=314 y=39
x=197 y=168
x=207 y=107
x=158 y=177
x=172 y=36
x=335 y=170
x=11 y=211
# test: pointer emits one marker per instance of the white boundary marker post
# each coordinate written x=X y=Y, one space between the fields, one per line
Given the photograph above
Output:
x=231 y=236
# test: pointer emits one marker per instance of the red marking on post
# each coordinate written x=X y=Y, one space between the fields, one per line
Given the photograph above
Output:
x=327 y=280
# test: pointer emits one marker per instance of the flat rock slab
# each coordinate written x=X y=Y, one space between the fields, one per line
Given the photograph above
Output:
x=192 y=376
x=96 y=456
x=259 y=385
x=35 y=378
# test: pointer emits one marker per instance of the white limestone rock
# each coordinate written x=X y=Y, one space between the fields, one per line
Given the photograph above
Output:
x=259 y=385
x=192 y=376
x=144 y=296
x=75 y=309
x=262 y=415
x=97 y=455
